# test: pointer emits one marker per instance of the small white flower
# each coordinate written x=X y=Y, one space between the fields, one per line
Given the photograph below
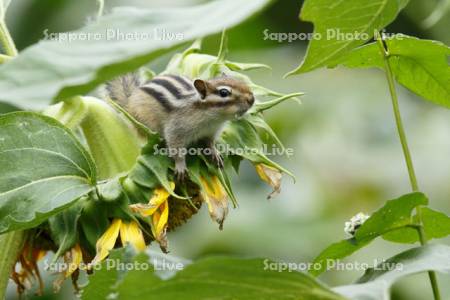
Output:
x=354 y=223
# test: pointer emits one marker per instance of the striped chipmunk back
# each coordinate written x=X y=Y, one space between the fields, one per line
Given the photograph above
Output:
x=171 y=91
x=181 y=110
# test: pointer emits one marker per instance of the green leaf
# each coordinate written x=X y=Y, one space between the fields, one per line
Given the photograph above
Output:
x=333 y=20
x=94 y=221
x=143 y=177
x=151 y=170
x=63 y=228
x=419 y=65
x=393 y=215
x=241 y=138
x=236 y=66
x=6 y=108
x=258 y=121
x=436 y=225
x=225 y=180
x=55 y=70
x=159 y=166
x=216 y=278
x=262 y=106
x=376 y=282
x=336 y=251
x=227 y=277
x=107 y=274
x=44 y=170
x=137 y=193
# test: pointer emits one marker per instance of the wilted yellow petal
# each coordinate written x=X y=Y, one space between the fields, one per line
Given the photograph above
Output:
x=216 y=198
x=106 y=242
x=158 y=209
x=154 y=223
x=160 y=195
x=163 y=218
x=131 y=233
x=271 y=176
x=41 y=254
x=159 y=224
x=74 y=259
x=144 y=210
x=28 y=268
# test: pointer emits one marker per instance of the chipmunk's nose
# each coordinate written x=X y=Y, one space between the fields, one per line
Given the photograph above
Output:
x=251 y=100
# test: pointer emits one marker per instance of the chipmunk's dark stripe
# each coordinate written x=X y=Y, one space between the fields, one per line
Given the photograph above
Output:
x=168 y=85
x=183 y=81
x=160 y=97
x=205 y=105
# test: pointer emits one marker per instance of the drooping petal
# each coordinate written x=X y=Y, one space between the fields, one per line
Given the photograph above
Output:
x=158 y=209
x=160 y=195
x=106 y=242
x=159 y=225
x=131 y=233
x=271 y=176
x=29 y=271
x=216 y=198
x=74 y=259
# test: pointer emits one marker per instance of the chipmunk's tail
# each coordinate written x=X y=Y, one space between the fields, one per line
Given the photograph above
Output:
x=121 y=88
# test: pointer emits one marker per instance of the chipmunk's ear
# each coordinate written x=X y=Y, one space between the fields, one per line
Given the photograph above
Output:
x=202 y=87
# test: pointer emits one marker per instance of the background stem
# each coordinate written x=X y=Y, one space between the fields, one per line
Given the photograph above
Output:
x=11 y=244
x=5 y=39
x=406 y=153
x=101 y=6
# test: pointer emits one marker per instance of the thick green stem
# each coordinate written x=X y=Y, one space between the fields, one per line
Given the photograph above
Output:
x=10 y=245
x=407 y=154
x=113 y=145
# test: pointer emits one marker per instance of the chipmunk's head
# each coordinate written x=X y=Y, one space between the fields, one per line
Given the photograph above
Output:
x=225 y=95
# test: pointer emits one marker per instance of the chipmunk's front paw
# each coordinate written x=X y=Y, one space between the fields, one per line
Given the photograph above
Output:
x=217 y=159
x=181 y=172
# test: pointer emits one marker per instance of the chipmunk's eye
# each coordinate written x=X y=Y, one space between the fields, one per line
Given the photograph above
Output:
x=224 y=93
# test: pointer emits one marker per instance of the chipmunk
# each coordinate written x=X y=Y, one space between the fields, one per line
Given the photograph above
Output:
x=183 y=111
